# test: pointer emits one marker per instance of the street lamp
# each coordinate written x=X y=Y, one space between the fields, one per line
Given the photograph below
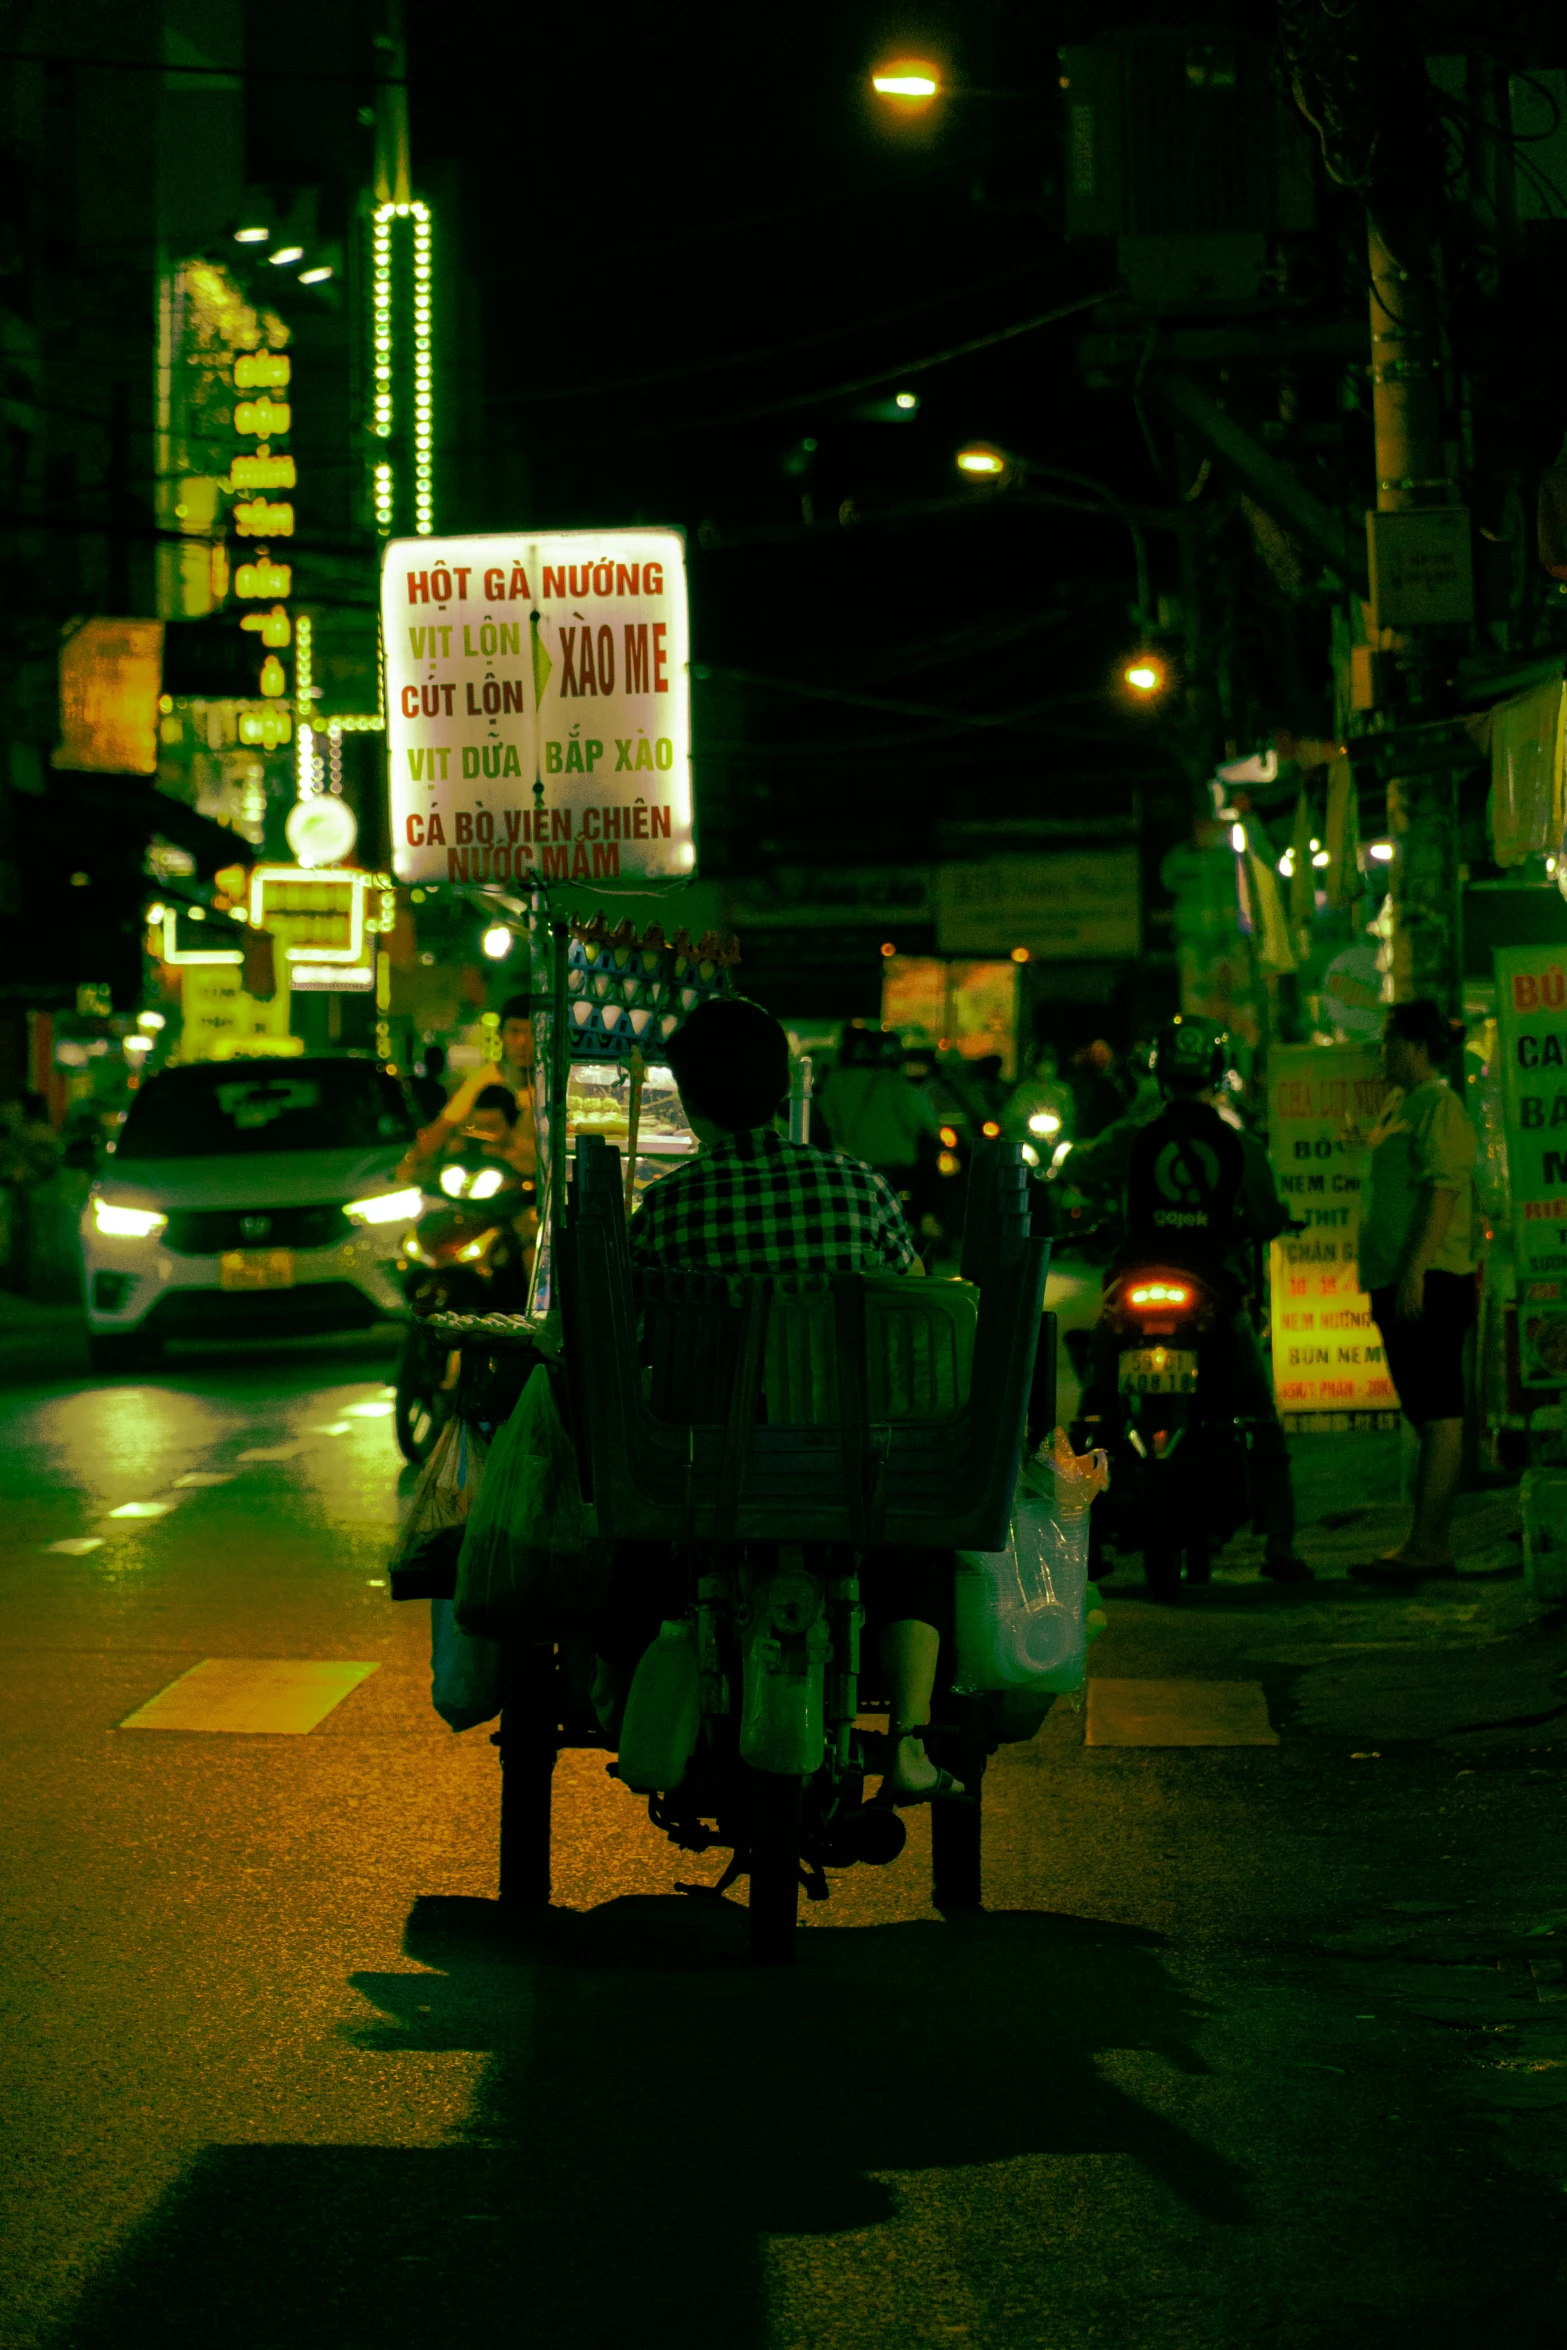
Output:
x=1145 y=673
x=908 y=81
x=980 y=462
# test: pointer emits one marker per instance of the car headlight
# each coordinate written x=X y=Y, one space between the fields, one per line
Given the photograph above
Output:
x=390 y=1207
x=128 y=1223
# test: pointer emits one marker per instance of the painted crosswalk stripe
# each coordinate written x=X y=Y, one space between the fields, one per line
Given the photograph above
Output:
x=278 y=1695
x=142 y=1509
x=1178 y=1713
x=273 y=1452
x=76 y=1546
x=195 y=1477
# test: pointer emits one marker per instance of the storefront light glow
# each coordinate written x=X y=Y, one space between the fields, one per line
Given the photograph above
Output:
x=314 y=277
x=1238 y=839
x=286 y=254
x=152 y=1020
x=251 y=236
x=1382 y=850
x=497 y=942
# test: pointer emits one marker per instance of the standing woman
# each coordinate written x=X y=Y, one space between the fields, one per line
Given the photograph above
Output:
x=1419 y=1248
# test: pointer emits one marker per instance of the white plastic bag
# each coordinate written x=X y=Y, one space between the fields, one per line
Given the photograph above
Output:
x=1021 y=1613
x=465 y=1671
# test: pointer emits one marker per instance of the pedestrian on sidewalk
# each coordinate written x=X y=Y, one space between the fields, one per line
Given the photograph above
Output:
x=1419 y=1251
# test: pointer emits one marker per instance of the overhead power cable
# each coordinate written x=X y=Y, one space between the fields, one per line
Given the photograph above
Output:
x=865 y=383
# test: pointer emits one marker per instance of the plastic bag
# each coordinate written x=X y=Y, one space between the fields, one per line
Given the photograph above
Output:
x=523 y=1568
x=424 y=1564
x=1021 y=1614
x=466 y=1673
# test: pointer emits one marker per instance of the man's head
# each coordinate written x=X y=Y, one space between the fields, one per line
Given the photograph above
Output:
x=731 y=1063
x=1190 y=1058
x=517 y=1031
x=1416 y=1042
x=491 y=1120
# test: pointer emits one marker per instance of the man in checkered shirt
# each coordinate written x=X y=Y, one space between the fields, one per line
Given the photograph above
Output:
x=752 y=1202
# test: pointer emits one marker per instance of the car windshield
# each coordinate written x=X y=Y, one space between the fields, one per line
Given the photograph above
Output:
x=220 y=1107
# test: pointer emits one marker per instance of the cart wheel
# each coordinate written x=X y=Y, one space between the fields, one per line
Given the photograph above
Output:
x=527 y=1742
x=422 y=1403
x=775 y=1867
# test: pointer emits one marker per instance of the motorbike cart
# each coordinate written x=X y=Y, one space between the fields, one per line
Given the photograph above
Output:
x=467 y=1254
x=759 y=1437
x=1180 y=1477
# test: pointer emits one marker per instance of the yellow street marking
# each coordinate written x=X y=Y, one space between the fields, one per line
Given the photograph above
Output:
x=282 y=1695
x=142 y=1509
x=1178 y=1713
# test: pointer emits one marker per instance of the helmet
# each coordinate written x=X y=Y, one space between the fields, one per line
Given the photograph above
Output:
x=1191 y=1056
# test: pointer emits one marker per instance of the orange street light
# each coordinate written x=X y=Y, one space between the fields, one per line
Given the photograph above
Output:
x=908 y=81
x=1144 y=673
x=980 y=462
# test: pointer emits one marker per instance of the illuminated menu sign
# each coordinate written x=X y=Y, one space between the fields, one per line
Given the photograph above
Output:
x=1328 y=1364
x=538 y=707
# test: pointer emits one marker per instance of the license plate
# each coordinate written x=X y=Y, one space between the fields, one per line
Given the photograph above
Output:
x=1158 y=1370
x=257 y=1268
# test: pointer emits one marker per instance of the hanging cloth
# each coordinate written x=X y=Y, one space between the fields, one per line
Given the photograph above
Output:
x=1341 y=832
x=1526 y=773
x=1270 y=930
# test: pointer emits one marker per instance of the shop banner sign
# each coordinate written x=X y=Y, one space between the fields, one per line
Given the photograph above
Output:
x=538 y=708
x=1531 y=1020
x=1328 y=1367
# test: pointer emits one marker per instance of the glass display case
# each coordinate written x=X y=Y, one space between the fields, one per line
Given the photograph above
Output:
x=598 y=1101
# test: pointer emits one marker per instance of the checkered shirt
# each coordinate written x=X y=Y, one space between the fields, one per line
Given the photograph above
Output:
x=755 y=1203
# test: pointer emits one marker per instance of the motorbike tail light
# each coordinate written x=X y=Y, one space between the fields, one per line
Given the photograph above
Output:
x=1159 y=1296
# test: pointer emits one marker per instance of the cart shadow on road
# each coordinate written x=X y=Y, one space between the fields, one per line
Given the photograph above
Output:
x=652 y=2110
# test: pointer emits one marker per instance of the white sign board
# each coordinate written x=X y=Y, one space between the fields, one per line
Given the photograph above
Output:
x=538 y=707
x=1076 y=904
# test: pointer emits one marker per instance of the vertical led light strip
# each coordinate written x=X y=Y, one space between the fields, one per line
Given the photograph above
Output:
x=307 y=778
x=384 y=418
x=424 y=391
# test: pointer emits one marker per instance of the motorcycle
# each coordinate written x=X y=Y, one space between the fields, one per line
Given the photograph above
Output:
x=1180 y=1484
x=471 y=1252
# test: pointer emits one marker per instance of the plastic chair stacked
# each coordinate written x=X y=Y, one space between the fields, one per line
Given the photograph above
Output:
x=841 y=1408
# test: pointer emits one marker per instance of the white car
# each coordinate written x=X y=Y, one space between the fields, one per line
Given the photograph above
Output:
x=248 y=1199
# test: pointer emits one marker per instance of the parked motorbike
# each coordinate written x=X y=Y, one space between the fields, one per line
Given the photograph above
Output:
x=471 y=1252
x=1180 y=1485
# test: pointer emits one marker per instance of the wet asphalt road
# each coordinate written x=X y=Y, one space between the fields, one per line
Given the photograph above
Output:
x=275 y=2077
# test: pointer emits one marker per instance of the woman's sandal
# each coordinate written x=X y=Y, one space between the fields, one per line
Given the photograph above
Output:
x=944 y=1788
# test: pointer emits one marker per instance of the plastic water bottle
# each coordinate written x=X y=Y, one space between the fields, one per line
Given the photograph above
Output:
x=663 y=1713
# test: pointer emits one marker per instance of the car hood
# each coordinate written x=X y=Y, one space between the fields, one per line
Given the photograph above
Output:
x=259 y=1179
